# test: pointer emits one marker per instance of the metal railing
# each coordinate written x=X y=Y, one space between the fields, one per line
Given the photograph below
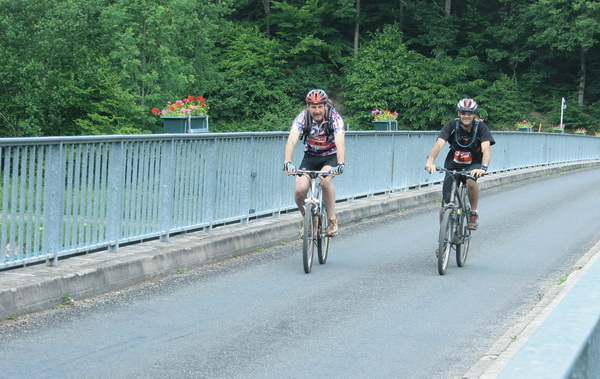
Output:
x=67 y=195
x=567 y=343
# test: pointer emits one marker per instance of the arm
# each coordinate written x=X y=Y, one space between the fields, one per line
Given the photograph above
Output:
x=292 y=139
x=435 y=150
x=340 y=143
x=341 y=154
x=485 y=160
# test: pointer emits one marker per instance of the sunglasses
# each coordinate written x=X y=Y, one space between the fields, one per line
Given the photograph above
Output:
x=466 y=113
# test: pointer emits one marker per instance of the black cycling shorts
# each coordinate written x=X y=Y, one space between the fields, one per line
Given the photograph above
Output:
x=447 y=186
x=317 y=162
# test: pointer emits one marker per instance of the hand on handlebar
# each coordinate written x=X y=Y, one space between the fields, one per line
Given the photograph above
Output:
x=288 y=167
x=477 y=173
x=337 y=170
x=430 y=168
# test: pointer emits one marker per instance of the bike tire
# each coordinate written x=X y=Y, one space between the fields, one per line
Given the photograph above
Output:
x=323 y=240
x=462 y=250
x=308 y=239
x=445 y=241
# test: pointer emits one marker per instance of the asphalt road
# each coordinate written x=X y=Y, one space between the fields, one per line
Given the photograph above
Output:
x=377 y=309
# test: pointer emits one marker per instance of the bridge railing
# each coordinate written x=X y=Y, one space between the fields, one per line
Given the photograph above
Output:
x=61 y=196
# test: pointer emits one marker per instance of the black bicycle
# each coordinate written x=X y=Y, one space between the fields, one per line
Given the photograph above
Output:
x=315 y=220
x=454 y=233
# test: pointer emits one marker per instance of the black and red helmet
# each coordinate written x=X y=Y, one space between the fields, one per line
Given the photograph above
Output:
x=316 y=96
x=468 y=105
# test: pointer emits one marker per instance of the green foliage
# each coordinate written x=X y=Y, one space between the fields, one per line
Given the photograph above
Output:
x=387 y=75
x=72 y=67
x=574 y=116
x=254 y=95
x=502 y=104
x=566 y=25
x=108 y=108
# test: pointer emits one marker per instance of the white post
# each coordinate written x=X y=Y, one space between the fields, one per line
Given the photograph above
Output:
x=562 y=110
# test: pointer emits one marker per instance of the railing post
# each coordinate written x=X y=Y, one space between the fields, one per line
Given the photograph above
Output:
x=167 y=172
x=116 y=188
x=54 y=184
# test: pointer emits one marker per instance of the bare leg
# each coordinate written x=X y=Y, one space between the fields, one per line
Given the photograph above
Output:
x=329 y=195
x=473 y=193
x=300 y=191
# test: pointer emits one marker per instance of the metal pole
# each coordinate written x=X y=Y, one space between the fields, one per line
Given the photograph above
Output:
x=562 y=110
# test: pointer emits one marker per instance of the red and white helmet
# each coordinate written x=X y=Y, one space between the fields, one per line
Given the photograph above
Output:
x=316 y=96
x=468 y=105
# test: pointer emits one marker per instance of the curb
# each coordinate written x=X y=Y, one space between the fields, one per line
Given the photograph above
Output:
x=501 y=353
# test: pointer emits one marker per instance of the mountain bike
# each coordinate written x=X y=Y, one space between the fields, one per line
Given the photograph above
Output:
x=315 y=221
x=454 y=234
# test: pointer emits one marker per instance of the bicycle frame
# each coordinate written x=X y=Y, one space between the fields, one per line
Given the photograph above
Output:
x=453 y=225
x=315 y=220
x=315 y=191
x=459 y=203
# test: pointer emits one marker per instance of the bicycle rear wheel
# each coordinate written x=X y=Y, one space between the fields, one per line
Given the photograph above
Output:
x=445 y=241
x=322 y=239
x=308 y=243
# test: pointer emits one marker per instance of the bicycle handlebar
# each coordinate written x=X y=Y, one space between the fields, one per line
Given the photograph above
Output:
x=311 y=173
x=464 y=173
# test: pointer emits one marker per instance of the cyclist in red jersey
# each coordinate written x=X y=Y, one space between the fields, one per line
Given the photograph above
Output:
x=322 y=129
x=470 y=150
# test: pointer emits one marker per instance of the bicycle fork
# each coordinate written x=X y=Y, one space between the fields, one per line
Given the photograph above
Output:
x=455 y=217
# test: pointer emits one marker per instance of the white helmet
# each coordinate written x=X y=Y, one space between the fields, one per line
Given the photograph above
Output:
x=468 y=105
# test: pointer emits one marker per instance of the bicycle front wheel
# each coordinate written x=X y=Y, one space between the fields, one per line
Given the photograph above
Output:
x=308 y=243
x=462 y=250
x=323 y=240
x=465 y=238
x=445 y=241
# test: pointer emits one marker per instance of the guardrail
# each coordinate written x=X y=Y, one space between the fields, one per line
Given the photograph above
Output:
x=67 y=195
x=567 y=344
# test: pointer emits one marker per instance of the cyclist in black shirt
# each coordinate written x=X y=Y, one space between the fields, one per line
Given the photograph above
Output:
x=470 y=150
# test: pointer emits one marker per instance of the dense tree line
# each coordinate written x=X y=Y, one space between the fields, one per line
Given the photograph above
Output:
x=73 y=67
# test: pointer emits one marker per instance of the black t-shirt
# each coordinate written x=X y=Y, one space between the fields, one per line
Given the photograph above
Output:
x=462 y=141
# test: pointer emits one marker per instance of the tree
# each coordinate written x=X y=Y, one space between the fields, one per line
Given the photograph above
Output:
x=387 y=75
x=255 y=96
x=570 y=26
x=45 y=61
x=165 y=48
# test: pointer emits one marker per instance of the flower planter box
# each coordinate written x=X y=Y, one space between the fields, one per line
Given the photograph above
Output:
x=559 y=131
x=385 y=125
x=182 y=124
x=524 y=129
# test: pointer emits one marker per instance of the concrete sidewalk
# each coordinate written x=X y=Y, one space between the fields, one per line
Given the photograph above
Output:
x=41 y=287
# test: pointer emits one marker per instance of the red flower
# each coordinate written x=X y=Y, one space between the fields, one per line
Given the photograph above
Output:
x=187 y=106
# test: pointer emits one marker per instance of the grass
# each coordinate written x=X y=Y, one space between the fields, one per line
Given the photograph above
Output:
x=563 y=279
x=67 y=299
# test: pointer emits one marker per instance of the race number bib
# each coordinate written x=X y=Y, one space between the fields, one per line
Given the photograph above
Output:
x=463 y=157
